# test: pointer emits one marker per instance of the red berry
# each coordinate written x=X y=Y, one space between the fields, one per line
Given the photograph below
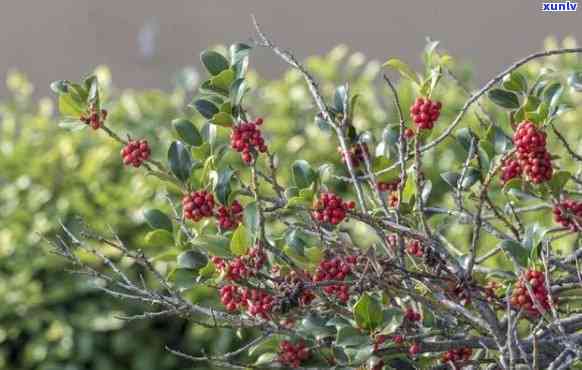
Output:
x=246 y=139
x=532 y=156
x=568 y=213
x=230 y=217
x=424 y=113
x=197 y=205
x=414 y=349
x=511 y=169
x=135 y=152
x=357 y=153
x=292 y=355
x=408 y=133
x=521 y=298
x=330 y=208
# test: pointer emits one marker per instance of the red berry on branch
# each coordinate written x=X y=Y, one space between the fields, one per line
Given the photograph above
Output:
x=533 y=158
x=408 y=133
x=135 y=152
x=568 y=213
x=456 y=356
x=415 y=248
x=292 y=355
x=198 y=205
x=388 y=185
x=246 y=138
x=229 y=217
x=521 y=297
x=334 y=269
x=425 y=112
x=330 y=208
x=510 y=170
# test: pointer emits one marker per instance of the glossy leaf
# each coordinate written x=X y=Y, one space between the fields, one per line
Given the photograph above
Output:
x=206 y=108
x=191 y=260
x=187 y=131
x=403 y=69
x=157 y=219
x=213 y=62
x=368 y=312
x=303 y=174
x=180 y=160
x=239 y=244
x=504 y=98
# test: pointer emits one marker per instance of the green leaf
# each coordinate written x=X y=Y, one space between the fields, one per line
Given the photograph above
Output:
x=213 y=62
x=239 y=244
x=237 y=91
x=516 y=82
x=180 y=160
x=315 y=326
x=393 y=317
x=159 y=238
x=403 y=69
x=223 y=80
x=504 y=98
x=368 y=312
x=238 y=52
x=381 y=163
x=472 y=175
x=349 y=337
x=206 y=108
x=271 y=343
x=464 y=137
x=191 y=260
x=515 y=249
x=223 y=188
x=184 y=279
x=207 y=271
x=187 y=131
x=72 y=124
x=157 y=219
x=314 y=254
x=575 y=81
x=60 y=87
x=216 y=245
x=222 y=119
x=558 y=181
x=251 y=217
x=552 y=94
x=68 y=106
x=303 y=174
x=267 y=358
x=340 y=96
x=451 y=178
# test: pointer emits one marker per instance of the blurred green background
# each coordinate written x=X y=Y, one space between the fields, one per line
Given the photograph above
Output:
x=50 y=319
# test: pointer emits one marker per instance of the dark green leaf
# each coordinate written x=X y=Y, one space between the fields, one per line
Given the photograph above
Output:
x=558 y=181
x=348 y=337
x=222 y=119
x=184 y=279
x=180 y=161
x=575 y=81
x=464 y=137
x=303 y=174
x=223 y=188
x=238 y=52
x=206 y=108
x=515 y=81
x=237 y=91
x=451 y=178
x=187 y=131
x=340 y=96
x=504 y=98
x=158 y=219
x=60 y=87
x=251 y=217
x=213 y=61
x=518 y=251
x=191 y=260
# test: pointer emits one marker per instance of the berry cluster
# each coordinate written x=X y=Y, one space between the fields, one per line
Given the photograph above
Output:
x=521 y=299
x=335 y=269
x=94 y=119
x=388 y=186
x=230 y=217
x=246 y=138
x=135 y=152
x=533 y=157
x=414 y=248
x=357 y=153
x=568 y=213
x=510 y=169
x=490 y=289
x=243 y=266
x=330 y=208
x=457 y=355
x=198 y=205
x=292 y=354
x=425 y=112
x=293 y=283
x=411 y=315
x=256 y=302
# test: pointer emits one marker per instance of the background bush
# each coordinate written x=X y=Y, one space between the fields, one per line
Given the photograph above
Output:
x=53 y=320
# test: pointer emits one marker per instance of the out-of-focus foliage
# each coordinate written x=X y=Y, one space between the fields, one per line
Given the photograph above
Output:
x=53 y=320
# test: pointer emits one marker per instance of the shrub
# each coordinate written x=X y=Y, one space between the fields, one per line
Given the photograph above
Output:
x=323 y=267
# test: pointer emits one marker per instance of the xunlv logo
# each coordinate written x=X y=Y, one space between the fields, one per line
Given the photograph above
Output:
x=560 y=7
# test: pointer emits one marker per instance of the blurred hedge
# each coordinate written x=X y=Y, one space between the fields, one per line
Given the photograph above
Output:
x=50 y=319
